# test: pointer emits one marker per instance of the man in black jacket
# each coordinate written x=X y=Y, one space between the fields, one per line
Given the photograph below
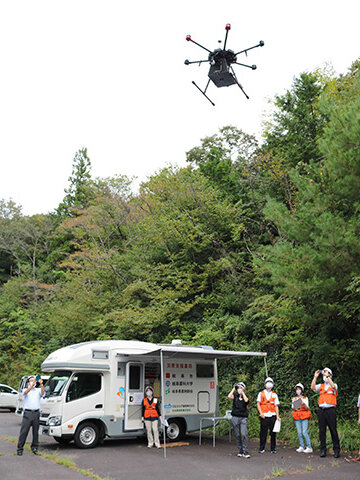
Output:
x=239 y=414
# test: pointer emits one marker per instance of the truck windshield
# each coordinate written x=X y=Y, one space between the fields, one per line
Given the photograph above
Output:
x=56 y=384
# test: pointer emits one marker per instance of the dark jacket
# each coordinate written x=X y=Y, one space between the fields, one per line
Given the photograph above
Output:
x=240 y=407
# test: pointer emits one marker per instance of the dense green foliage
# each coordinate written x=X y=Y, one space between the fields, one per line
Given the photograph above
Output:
x=249 y=247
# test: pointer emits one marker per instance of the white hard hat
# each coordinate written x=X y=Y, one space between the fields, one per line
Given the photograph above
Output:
x=242 y=384
x=329 y=370
x=300 y=385
x=269 y=379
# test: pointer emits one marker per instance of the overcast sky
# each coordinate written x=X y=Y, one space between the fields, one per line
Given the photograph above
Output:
x=109 y=75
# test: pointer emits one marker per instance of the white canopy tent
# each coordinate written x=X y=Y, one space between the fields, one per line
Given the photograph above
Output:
x=203 y=353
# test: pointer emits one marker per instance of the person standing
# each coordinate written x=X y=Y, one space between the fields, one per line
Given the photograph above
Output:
x=357 y=459
x=150 y=416
x=32 y=395
x=301 y=415
x=239 y=413
x=327 y=410
x=268 y=408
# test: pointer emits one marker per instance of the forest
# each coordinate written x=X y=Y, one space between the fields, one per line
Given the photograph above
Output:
x=253 y=245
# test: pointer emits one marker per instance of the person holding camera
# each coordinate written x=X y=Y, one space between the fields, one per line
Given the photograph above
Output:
x=301 y=414
x=327 y=410
x=268 y=408
x=239 y=413
x=32 y=395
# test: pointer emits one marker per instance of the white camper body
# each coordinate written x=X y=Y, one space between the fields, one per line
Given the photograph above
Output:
x=96 y=388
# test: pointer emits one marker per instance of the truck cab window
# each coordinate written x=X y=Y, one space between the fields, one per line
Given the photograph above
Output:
x=83 y=385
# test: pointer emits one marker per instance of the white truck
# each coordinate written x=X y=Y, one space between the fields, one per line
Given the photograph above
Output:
x=96 y=388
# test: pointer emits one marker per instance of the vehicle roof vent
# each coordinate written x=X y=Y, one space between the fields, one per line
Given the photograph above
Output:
x=176 y=341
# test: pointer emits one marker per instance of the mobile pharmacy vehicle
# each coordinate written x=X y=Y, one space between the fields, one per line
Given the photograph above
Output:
x=96 y=388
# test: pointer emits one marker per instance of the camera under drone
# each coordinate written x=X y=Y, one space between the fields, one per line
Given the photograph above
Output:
x=221 y=72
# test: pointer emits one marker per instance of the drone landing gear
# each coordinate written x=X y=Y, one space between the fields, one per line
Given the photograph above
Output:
x=238 y=83
x=204 y=92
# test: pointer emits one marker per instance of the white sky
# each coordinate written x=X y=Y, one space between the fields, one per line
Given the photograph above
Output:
x=109 y=75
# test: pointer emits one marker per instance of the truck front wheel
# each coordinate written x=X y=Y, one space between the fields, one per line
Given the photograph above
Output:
x=86 y=435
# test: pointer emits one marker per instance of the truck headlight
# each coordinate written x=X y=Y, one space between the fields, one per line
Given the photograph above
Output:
x=54 y=421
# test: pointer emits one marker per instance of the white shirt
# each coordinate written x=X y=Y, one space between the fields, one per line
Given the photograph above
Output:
x=327 y=386
x=358 y=404
x=267 y=396
x=32 y=399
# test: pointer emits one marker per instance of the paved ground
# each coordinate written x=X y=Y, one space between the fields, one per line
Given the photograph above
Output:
x=132 y=460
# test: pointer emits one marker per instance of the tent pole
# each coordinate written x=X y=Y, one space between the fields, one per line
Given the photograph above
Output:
x=163 y=398
x=266 y=369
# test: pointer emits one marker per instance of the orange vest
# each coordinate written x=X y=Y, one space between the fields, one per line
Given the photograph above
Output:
x=301 y=413
x=266 y=405
x=150 y=410
x=327 y=396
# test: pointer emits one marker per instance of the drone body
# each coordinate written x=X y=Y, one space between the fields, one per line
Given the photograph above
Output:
x=221 y=72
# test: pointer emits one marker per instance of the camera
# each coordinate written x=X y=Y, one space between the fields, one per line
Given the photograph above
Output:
x=321 y=371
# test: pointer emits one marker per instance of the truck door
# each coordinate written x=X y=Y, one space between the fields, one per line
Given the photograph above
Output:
x=134 y=395
x=84 y=396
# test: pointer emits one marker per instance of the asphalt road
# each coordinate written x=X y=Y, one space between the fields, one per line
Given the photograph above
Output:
x=132 y=460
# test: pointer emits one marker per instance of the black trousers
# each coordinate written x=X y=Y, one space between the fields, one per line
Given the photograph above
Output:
x=327 y=418
x=30 y=419
x=266 y=424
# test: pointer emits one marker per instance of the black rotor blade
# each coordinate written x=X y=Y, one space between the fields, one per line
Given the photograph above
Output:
x=253 y=67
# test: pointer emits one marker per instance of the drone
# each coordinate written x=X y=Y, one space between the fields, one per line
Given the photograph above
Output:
x=221 y=72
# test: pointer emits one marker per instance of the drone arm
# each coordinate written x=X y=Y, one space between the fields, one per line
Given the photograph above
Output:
x=189 y=39
x=187 y=62
x=227 y=28
x=253 y=67
x=260 y=44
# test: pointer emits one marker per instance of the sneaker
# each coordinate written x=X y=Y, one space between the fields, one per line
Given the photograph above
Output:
x=273 y=452
x=158 y=446
x=246 y=455
x=308 y=450
x=19 y=453
x=337 y=454
x=300 y=450
x=149 y=446
x=35 y=452
x=322 y=453
x=261 y=451
x=240 y=454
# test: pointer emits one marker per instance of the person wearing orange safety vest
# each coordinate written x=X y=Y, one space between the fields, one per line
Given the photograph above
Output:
x=150 y=416
x=267 y=405
x=301 y=415
x=327 y=410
